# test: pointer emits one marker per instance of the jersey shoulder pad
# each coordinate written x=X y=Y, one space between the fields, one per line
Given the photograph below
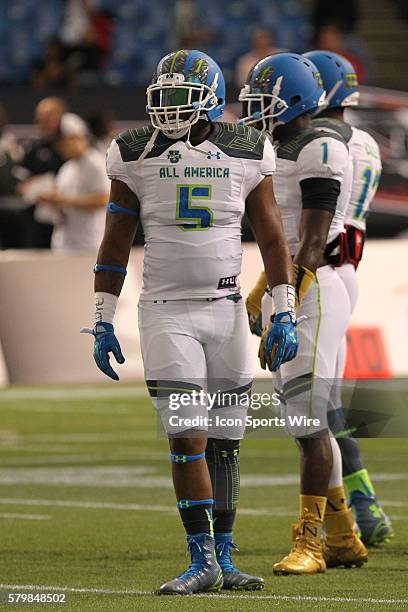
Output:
x=237 y=140
x=344 y=129
x=362 y=138
x=133 y=142
x=291 y=149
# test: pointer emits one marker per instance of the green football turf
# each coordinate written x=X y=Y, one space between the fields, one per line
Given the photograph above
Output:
x=86 y=503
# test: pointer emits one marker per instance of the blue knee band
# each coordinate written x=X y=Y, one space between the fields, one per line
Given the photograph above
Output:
x=177 y=458
x=114 y=208
x=102 y=267
x=185 y=504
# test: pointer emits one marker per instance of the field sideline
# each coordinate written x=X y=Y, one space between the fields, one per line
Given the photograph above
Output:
x=86 y=507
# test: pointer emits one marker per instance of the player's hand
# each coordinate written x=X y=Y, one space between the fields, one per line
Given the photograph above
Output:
x=279 y=342
x=253 y=305
x=255 y=324
x=105 y=343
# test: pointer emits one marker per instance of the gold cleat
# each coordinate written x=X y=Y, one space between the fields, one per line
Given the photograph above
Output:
x=306 y=556
x=342 y=546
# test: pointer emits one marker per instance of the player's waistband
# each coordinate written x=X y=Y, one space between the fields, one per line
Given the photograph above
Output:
x=235 y=297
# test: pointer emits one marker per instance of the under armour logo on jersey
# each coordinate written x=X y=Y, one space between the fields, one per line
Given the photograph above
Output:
x=174 y=156
x=228 y=282
x=217 y=155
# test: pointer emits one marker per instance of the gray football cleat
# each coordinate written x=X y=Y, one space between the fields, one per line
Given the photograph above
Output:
x=234 y=579
x=203 y=574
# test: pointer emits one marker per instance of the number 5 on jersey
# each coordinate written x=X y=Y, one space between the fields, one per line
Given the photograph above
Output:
x=198 y=217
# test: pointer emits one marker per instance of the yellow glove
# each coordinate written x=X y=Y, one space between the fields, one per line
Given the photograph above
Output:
x=253 y=305
x=261 y=352
x=304 y=279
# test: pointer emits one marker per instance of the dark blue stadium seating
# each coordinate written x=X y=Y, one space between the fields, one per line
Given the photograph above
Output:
x=143 y=33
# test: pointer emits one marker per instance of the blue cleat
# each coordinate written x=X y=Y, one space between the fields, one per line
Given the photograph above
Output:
x=374 y=525
x=203 y=574
x=234 y=579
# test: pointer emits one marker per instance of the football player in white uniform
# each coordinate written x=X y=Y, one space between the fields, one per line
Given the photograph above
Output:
x=312 y=186
x=340 y=82
x=189 y=179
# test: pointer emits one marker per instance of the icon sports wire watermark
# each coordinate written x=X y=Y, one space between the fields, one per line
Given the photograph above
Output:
x=303 y=406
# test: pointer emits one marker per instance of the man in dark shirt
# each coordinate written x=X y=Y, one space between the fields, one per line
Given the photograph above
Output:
x=42 y=158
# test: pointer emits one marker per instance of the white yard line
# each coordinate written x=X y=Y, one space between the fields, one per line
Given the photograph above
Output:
x=61 y=589
x=133 y=476
x=87 y=437
x=87 y=393
x=44 y=460
x=63 y=503
x=25 y=517
x=92 y=505
x=70 y=408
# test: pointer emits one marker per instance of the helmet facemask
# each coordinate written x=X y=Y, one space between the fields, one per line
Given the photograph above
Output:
x=174 y=105
x=262 y=108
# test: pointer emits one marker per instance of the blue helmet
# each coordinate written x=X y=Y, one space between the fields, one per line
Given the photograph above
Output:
x=338 y=76
x=187 y=86
x=280 y=88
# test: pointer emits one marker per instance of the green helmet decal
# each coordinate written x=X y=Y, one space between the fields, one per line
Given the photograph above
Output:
x=199 y=71
x=262 y=80
x=174 y=62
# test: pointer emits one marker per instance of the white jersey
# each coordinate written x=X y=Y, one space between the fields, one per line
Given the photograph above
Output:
x=366 y=177
x=312 y=154
x=80 y=228
x=191 y=206
x=366 y=161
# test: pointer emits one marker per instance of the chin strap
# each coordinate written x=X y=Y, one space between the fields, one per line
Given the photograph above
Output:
x=149 y=146
x=193 y=148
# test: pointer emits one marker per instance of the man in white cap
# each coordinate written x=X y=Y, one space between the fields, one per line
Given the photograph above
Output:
x=82 y=190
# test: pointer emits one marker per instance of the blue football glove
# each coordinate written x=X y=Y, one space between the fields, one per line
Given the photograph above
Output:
x=105 y=343
x=279 y=342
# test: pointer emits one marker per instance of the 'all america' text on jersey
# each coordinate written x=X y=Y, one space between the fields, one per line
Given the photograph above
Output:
x=191 y=205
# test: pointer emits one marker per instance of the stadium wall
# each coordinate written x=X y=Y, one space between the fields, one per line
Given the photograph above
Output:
x=47 y=298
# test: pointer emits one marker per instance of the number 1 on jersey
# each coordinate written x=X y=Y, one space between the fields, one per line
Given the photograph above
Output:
x=325 y=147
x=199 y=217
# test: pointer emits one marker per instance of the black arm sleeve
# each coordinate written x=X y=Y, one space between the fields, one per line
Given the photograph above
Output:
x=320 y=193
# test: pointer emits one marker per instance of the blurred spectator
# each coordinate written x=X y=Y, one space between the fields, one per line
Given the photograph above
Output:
x=8 y=142
x=263 y=45
x=189 y=30
x=10 y=153
x=331 y=38
x=102 y=130
x=81 y=191
x=53 y=70
x=86 y=35
x=38 y=168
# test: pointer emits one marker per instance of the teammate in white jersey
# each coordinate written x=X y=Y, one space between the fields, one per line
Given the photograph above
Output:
x=312 y=184
x=189 y=181
x=340 y=81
